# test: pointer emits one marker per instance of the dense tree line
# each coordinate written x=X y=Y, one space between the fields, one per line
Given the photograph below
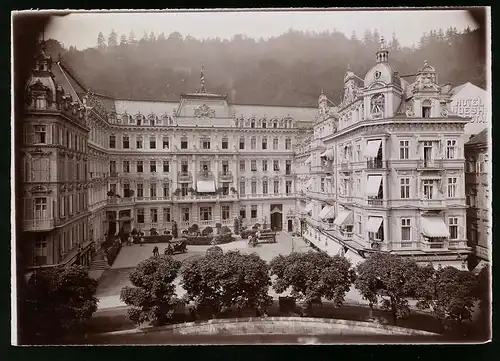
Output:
x=290 y=69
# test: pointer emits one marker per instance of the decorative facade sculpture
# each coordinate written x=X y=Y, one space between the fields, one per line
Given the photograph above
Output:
x=377 y=104
x=204 y=111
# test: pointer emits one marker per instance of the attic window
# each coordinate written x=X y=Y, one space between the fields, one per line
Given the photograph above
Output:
x=40 y=102
x=426 y=109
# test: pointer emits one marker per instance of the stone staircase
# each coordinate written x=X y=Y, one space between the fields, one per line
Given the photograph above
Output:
x=99 y=263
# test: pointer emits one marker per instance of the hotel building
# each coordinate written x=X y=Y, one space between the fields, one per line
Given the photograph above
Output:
x=384 y=170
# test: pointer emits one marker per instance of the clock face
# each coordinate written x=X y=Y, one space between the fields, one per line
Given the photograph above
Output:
x=377 y=74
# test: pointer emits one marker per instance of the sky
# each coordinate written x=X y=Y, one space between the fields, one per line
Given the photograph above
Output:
x=80 y=29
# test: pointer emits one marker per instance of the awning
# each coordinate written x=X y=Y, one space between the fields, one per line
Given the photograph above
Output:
x=206 y=186
x=309 y=160
x=309 y=207
x=125 y=219
x=309 y=182
x=434 y=227
x=374 y=224
x=344 y=218
x=372 y=148
x=325 y=211
x=373 y=185
x=328 y=154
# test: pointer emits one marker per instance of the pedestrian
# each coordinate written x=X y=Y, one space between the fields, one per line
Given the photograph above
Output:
x=142 y=240
x=155 y=251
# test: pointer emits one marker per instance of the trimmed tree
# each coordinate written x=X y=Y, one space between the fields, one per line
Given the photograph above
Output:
x=207 y=231
x=218 y=281
x=58 y=302
x=450 y=294
x=193 y=228
x=236 y=225
x=312 y=276
x=152 y=295
x=214 y=251
x=389 y=280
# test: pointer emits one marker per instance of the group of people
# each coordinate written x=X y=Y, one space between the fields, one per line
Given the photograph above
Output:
x=168 y=250
x=254 y=240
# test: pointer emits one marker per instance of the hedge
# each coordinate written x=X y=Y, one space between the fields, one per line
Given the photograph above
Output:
x=207 y=240
x=164 y=238
x=112 y=252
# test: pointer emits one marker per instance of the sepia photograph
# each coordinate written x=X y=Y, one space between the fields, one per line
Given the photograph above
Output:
x=244 y=176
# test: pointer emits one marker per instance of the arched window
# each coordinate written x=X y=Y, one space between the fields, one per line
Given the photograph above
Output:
x=426 y=109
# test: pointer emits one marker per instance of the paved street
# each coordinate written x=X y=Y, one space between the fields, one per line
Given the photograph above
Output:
x=114 y=279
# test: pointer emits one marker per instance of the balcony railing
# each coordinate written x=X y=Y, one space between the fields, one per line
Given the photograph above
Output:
x=432 y=202
x=430 y=164
x=345 y=166
x=184 y=177
x=457 y=244
x=375 y=202
x=345 y=199
x=205 y=175
x=45 y=224
x=113 y=174
x=376 y=164
x=432 y=245
x=226 y=176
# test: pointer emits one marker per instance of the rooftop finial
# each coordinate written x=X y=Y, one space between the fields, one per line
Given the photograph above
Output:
x=348 y=67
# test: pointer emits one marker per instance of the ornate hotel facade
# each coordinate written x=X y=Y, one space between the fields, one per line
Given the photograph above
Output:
x=384 y=171
x=95 y=165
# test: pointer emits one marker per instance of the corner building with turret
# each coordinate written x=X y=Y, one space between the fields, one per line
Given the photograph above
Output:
x=384 y=170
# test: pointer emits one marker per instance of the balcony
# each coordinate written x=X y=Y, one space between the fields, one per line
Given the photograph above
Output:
x=113 y=174
x=226 y=176
x=184 y=177
x=377 y=163
x=121 y=201
x=432 y=246
x=40 y=225
x=205 y=175
x=345 y=167
x=345 y=199
x=432 y=203
x=430 y=164
x=457 y=244
x=376 y=202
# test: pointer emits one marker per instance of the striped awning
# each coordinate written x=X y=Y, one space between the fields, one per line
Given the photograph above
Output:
x=328 y=154
x=326 y=212
x=309 y=160
x=206 y=186
x=434 y=227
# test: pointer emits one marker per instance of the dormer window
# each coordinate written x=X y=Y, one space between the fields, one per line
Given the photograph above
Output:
x=426 y=109
x=40 y=102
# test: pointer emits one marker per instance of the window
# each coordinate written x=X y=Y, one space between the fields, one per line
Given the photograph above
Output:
x=452 y=187
x=166 y=143
x=153 y=212
x=204 y=166
x=253 y=212
x=264 y=124
x=322 y=184
x=288 y=187
x=404 y=149
x=243 y=213
x=112 y=167
x=264 y=187
x=40 y=208
x=359 y=226
x=225 y=188
x=152 y=142
x=152 y=190
x=41 y=251
x=225 y=143
x=126 y=166
x=358 y=152
x=288 y=167
x=275 y=124
x=112 y=141
x=453 y=227
x=288 y=144
x=405 y=188
x=205 y=144
x=275 y=144
x=264 y=165
x=140 y=214
x=184 y=166
x=253 y=143
x=450 y=149
x=206 y=213
x=405 y=229
x=426 y=109
x=428 y=188
x=140 y=168
x=140 y=190
x=276 y=165
x=184 y=143
x=184 y=189
x=166 y=215
x=152 y=166
x=185 y=214
x=126 y=143
x=276 y=187
x=252 y=124
x=254 y=188
x=40 y=102
x=242 y=143
x=264 y=143
x=242 y=165
x=253 y=165
x=166 y=166
x=138 y=142
x=225 y=212
x=166 y=189
x=126 y=189
x=40 y=134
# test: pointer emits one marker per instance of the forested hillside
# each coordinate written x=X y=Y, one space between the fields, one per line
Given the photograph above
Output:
x=287 y=70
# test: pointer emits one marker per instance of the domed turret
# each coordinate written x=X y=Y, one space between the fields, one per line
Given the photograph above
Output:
x=382 y=72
